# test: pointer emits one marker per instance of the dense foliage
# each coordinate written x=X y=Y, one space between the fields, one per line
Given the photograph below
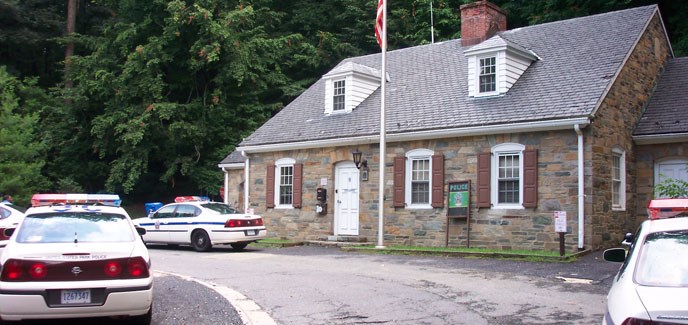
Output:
x=163 y=90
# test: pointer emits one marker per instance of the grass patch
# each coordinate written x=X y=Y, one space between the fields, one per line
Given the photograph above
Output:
x=474 y=250
x=521 y=255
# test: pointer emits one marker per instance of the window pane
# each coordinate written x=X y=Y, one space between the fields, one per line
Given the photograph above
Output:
x=488 y=75
x=420 y=181
x=285 y=185
x=338 y=99
x=420 y=192
x=616 y=180
x=509 y=183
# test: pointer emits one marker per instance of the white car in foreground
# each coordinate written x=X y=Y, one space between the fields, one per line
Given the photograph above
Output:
x=75 y=256
x=10 y=217
x=651 y=287
x=200 y=223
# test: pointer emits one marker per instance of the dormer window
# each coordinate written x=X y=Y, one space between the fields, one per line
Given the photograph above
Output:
x=495 y=65
x=339 y=96
x=347 y=85
x=488 y=75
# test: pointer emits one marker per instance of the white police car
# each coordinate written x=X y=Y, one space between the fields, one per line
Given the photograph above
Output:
x=198 y=222
x=10 y=216
x=75 y=255
x=651 y=287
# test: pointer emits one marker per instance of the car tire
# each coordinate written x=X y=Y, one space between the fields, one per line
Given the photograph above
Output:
x=200 y=241
x=144 y=319
x=239 y=246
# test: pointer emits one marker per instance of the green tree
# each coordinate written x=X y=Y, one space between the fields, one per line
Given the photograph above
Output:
x=21 y=152
x=171 y=86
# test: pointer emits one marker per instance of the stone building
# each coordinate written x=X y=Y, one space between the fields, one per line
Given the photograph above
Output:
x=488 y=138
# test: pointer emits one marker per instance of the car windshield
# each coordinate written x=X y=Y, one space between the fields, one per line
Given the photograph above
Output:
x=75 y=227
x=220 y=208
x=658 y=264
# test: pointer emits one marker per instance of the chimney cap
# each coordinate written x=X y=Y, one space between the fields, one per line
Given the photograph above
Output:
x=482 y=3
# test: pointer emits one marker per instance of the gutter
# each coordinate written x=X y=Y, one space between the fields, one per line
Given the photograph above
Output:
x=246 y=182
x=660 y=138
x=537 y=126
x=581 y=189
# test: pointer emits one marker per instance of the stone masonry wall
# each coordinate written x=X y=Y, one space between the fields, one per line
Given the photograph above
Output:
x=490 y=228
x=646 y=156
x=613 y=126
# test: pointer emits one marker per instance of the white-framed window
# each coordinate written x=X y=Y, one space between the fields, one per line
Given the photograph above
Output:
x=507 y=176
x=419 y=179
x=339 y=95
x=672 y=168
x=618 y=179
x=487 y=77
x=284 y=183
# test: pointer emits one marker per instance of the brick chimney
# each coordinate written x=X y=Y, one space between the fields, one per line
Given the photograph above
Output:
x=479 y=21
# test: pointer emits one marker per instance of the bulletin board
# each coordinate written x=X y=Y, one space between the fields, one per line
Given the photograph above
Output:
x=459 y=206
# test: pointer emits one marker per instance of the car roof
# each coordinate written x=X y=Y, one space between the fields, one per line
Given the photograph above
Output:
x=76 y=208
x=669 y=224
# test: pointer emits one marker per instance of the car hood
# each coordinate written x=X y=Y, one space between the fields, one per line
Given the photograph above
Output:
x=69 y=251
x=665 y=303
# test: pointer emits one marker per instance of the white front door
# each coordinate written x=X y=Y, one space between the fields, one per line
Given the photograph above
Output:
x=346 y=199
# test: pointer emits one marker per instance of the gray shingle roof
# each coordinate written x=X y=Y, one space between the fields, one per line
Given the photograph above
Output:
x=667 y=111
x=233 y=158
x=428 y=84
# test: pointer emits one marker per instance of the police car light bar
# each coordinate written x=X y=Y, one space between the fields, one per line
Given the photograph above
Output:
x=180 y=199
x=57 y=199
x=667 y=208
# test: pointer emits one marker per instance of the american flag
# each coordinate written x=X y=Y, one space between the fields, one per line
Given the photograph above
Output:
x=379 y=21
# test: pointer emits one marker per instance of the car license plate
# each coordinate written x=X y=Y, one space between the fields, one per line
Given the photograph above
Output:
x=76 y=296
x=250 y=232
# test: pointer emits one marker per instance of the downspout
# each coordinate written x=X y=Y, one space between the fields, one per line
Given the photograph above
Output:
x=246 y=182
x=581 y=189
x=225 y=189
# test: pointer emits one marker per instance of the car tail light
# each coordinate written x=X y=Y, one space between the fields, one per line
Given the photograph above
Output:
x=232 y=223
x=638 y=321
x=37 y=271
x=137 y=267
x=112 y=269
x=12 y=270
x=15 y=270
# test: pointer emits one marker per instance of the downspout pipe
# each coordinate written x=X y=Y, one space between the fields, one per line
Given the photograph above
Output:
x=581 y=189
x=225 y=188
x=246 y=182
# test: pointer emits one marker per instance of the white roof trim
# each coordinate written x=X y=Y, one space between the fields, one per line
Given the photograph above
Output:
x=232 y=165
x=424 y=135
x=660 y=138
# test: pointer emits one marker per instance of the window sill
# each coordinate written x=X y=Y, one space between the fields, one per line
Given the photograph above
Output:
x=419 y=206
x=508 y=207
x=284 y=207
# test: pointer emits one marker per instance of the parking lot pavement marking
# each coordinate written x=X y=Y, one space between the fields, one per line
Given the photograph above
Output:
x=250 y=312
x=575 y=280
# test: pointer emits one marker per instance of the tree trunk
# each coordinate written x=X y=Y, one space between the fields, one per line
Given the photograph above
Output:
x=72 y=6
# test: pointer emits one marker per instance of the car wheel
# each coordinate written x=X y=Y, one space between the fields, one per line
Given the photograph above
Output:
x=144 y=319
x=200 y=241
x=239 y=246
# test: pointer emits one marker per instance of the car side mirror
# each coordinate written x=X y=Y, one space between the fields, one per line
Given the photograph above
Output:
x=8 y=232
x=141 y=231
x=615 y=255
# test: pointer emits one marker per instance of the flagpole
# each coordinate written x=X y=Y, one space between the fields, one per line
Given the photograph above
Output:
x=383 y=151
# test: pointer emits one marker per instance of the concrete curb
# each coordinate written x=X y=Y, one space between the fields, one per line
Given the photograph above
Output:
x=248 y=310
